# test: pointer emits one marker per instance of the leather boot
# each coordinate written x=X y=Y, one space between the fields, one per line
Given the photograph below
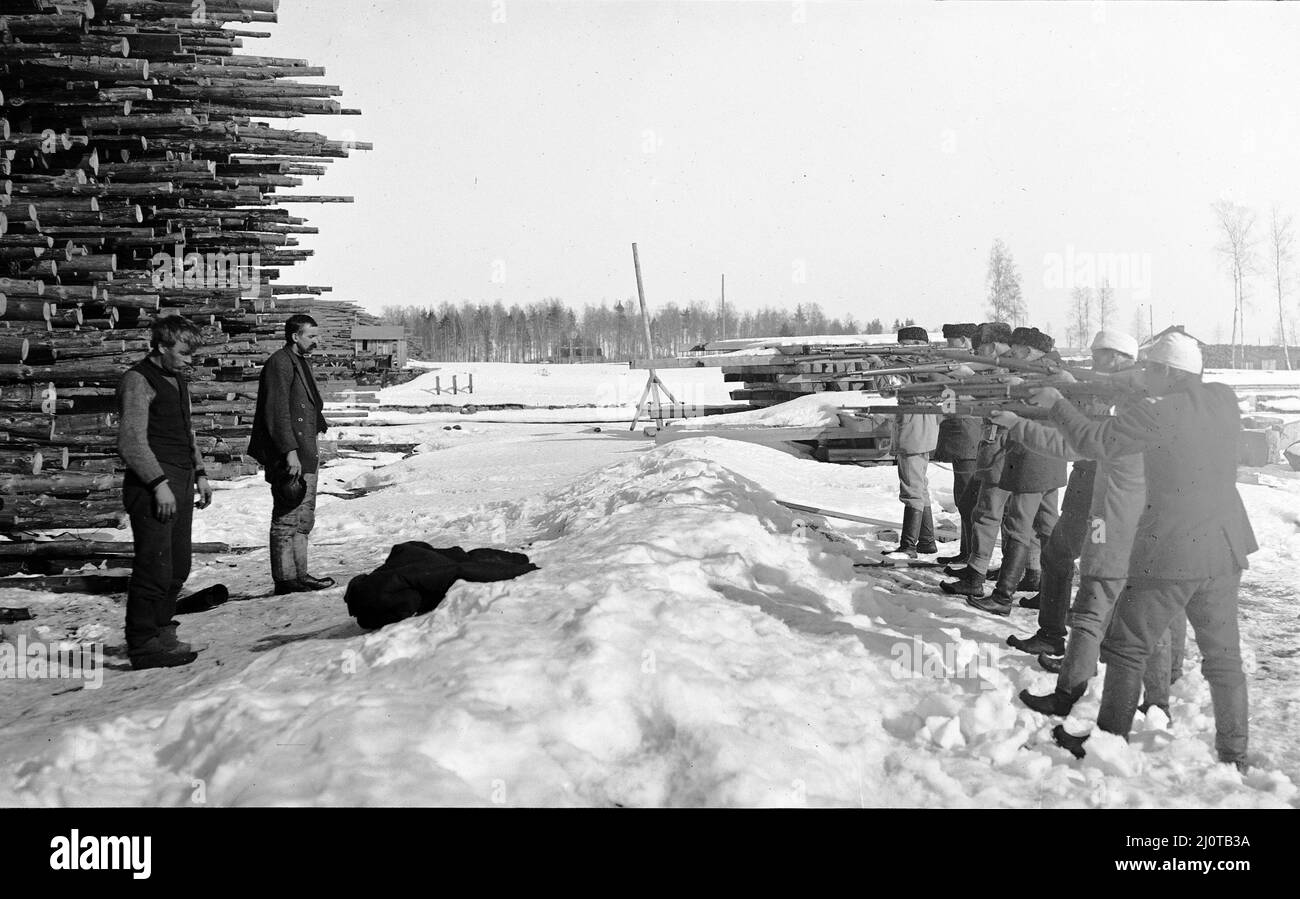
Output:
x=1012 y=570
x=907 y=538
x=1056 y=703
x=1000 y=600
x=969 y=583
x=925 y=544
x=1036 y=644
x=170 y=642
x=1031 y=582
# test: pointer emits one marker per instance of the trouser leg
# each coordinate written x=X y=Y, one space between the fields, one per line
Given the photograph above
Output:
x=963 y=472
x=1177 y=646
x=1212 y=613
x=985 y=522
x=1142 y=617
x=1058 y=578
x=161 y=559
x=1155 y=677
x=181 y=545
x=1062 y=548
x=1045 y=520
x=913 y=480
x=182 y=485
x=1018 y=521
x=306 y=521
x=284 y=525
x=1090 y=616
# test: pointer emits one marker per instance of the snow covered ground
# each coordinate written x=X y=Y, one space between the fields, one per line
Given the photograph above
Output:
x=604 y=385
x=688 y=640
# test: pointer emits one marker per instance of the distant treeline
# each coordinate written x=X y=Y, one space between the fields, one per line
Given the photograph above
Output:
x=551 y=330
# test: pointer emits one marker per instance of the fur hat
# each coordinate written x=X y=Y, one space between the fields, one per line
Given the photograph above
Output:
x=993 y=332
x=965 y=329
x=1034 y=338
x=913 y=332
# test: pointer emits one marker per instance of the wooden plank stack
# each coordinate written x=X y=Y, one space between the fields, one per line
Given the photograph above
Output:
x=783 y=369
x=137 y=180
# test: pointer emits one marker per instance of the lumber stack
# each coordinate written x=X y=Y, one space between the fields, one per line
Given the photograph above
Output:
x=139 y=177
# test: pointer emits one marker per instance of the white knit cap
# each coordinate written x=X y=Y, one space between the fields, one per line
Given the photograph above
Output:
x=1176 y=350
x=1110 y=339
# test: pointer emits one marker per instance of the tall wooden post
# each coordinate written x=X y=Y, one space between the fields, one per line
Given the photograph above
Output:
x=652 y=384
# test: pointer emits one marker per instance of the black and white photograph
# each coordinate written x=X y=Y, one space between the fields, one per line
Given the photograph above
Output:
x=473 y=404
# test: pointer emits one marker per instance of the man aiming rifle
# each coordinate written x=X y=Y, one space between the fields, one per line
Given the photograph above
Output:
x=1193 y=537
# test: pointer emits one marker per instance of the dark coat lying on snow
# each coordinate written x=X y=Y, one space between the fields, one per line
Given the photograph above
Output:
x=416 y=577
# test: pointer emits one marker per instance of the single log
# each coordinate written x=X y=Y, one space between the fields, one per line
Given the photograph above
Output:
x=66 y=583
x=13 y=349
x=19 y=310
x=60 y=483
x=24 y=461
x=87 y=549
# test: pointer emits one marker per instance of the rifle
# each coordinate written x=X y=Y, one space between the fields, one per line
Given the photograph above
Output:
x=1040 y=366
x=1110 y=393
x=973 y=410
x=868 y=373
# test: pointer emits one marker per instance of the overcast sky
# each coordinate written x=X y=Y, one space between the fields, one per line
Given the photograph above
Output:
x=863 y=156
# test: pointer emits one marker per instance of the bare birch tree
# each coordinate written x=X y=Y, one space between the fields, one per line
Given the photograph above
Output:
x=1238 y=252
x=1281 y=236
x=1139 y=324
x=1105 y=303
x=1081 y=315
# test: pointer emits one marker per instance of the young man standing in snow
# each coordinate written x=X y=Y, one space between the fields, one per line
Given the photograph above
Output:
x=290 y=413
x=164 y=471
x=915 y=437
x=1193 y=538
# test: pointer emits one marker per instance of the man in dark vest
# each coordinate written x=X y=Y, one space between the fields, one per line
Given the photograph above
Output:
x=289 y=415
x=1193 y=537
x=164 y=470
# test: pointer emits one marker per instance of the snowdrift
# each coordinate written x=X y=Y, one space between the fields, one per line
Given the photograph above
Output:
x=688 y=641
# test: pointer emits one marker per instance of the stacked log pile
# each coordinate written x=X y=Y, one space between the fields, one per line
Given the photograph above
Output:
x=137 y=181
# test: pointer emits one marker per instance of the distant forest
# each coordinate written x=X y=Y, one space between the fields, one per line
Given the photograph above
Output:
x=551 y=330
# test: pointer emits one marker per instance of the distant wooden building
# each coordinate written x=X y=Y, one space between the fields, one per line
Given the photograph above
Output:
x=575 y=349
x=380 y=340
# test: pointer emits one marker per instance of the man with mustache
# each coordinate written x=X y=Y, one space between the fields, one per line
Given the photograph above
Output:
x=289 y=415
x=164 y=470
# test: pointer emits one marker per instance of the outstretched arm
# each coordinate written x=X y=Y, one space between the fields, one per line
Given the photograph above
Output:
x=1136 y=429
